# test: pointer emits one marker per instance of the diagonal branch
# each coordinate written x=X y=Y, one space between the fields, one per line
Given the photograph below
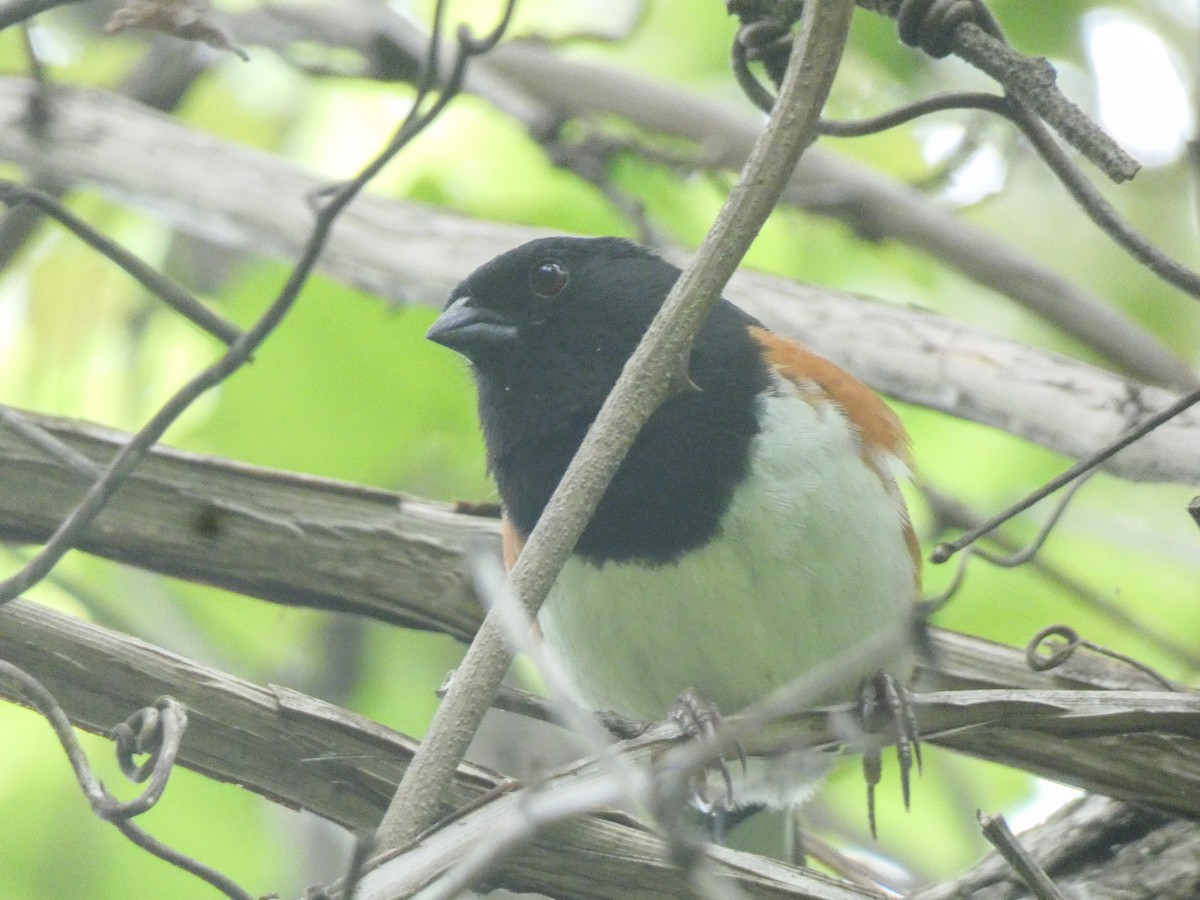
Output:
x=162 y=286
x=536 y=86
x=329 y=205
x=656 y=368
x=243 y=197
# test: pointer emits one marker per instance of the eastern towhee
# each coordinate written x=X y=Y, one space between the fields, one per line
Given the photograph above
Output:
x=755 y=529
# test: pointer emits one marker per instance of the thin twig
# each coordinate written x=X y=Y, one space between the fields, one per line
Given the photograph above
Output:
x=953 y=514
x=44 y=702
x=944 y=551
x=166 y=289
x=1031 y=102
x=996 y=830
x=534 y=706
x=910 y=111
x=656 y=369
x=974 y=37
x=364 y=846
x=16 y=422
x=157 y=731
x=19 y=10
x=328 y=207
x=1055 y=654
x=1098 y=209
x=1094 y=204
x=104 y=804
x=1030 y=82
x=1016 y=557
x=166 y=853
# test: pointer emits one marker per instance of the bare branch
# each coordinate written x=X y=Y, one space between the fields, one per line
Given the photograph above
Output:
x=1066 y=847
x=924 y=359
x=15 y=11
x=947 y=549
x=300 y=751
x=248 y=202
x=21 y=425
x=282 y=537
x=656 y=369
x=949 y=512
x=970 y=32
x=996 y=830
x=278 y=536
x=400 y=251
x=329 y=205
x=171 y=720
x=166 y=289
x=823 y=183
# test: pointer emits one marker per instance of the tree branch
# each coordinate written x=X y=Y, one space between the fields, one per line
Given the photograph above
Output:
x=532 y=83
x=1091 y=842
x=874 y=206
x=165 y=288
x=302 y=752
x=279 y=536
x=656 y=369
x=408 y=252
x=236 y=195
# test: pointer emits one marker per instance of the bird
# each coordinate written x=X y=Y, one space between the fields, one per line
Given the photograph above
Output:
x=755 y=530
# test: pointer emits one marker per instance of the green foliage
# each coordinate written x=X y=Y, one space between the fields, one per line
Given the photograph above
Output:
x=347 y=388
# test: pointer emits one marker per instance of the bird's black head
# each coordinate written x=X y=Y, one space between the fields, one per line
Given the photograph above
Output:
x=555 y=305
x=548 y=328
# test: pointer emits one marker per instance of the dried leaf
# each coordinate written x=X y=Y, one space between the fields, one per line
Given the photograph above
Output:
x=187 y=19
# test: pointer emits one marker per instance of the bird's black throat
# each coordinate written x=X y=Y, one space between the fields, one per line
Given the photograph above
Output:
x=672 y=490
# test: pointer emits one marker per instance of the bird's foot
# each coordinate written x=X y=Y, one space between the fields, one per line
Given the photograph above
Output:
x=700 y=718
x=883 y=704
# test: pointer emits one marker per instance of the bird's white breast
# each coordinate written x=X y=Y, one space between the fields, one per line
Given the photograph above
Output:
x=811 y=560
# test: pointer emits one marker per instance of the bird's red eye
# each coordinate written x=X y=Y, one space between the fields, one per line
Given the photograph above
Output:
x=548 y=277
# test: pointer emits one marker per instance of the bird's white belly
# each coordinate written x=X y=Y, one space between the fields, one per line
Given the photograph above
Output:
x=811 y=560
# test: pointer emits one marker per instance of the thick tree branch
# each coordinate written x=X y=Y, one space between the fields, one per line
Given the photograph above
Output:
x=279 y=536
x=411 y=253
x=232 y=194
x=283 y=537
x=301 y=752
x=538 y=87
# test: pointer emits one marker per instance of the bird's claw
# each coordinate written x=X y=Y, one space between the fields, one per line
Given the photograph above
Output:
x=699 y=718
x=883 y=704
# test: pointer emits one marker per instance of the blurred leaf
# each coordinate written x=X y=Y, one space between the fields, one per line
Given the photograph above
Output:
x=347 y=388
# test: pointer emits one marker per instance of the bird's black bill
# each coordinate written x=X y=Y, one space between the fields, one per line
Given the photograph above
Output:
x=466 y=328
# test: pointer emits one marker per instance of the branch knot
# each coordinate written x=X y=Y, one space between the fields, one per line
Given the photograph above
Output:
x=930 y=24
